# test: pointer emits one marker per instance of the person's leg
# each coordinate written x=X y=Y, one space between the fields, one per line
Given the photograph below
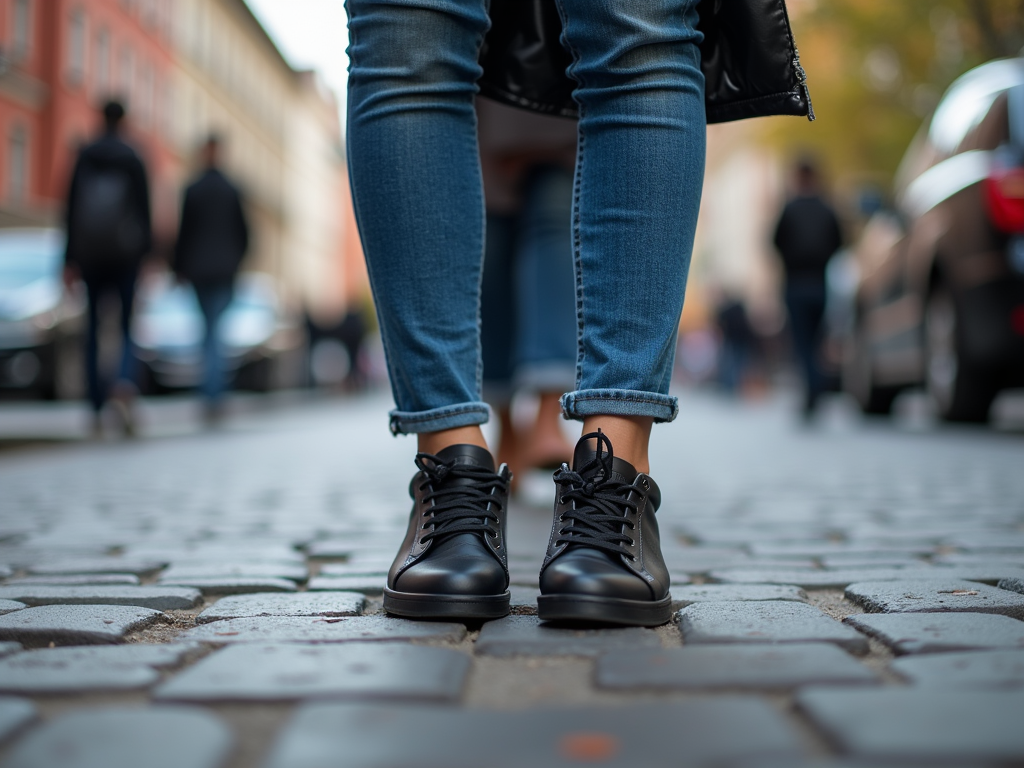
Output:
x=213 y=302
x=638 y=181
x=125 y=389
x=95 y=288
x=415 y=172
x=805 y=311
x=545 y=358
x=639 y=172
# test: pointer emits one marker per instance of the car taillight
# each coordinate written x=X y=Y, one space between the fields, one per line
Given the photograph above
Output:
x=1004 y=192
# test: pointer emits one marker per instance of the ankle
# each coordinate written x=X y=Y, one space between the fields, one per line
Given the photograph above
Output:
x=629 y=435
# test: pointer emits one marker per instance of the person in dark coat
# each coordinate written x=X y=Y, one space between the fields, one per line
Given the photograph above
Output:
x=212 y=242
x=806 y=237
x=108 y=234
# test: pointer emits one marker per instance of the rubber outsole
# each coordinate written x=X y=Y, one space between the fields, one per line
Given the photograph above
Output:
x=605 y=610
x=412 y=605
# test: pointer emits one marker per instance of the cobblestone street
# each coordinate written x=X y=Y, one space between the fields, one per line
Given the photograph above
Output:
x=848 y=594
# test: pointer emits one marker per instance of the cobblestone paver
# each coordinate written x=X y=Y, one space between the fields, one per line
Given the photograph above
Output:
x=848 y=595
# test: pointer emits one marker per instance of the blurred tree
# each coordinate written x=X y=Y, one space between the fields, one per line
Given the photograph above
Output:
x=876 y=69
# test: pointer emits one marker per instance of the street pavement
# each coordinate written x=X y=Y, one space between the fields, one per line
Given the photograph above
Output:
x=849 y=593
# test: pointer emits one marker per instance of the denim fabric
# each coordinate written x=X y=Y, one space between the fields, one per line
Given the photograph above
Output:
x=528 y=308
x=415 y=173
x=98 y=285
x=214 y=299
x=805 y=305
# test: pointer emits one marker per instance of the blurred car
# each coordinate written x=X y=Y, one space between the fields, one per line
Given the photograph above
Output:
x=263 y=346
x=40 y=324
x=940 y=300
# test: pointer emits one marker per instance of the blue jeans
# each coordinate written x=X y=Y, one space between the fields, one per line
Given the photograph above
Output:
x=213 y=299
x=528 y=307
x=98 y=285
x=415 y=174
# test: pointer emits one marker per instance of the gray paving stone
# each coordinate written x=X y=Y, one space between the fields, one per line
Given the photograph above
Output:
x=126 y=737
x=836 y=549
x=8 y=647
x=352 y=670
x=368 y=585
x=161 y=598
x=993 y=541
x=933 y=596
x=231 y=585
x=309 y=629
x=703 y=593
x=969 y=669
x=741 y=667
x=15 y=714
x=937 y=632
x=844 y=562
x=523 y=599
x=765 y=622
x=379 y=568
x=706 y=732
x=93 y=579
x=178 y=573
x=528 y=636
x=87 y=669
x=1014 y=584
x=5 y=571
x=278 y=604
x=700 y=560
x=922 y=723
x=75 y=624
x=814 y=578
x=75 y=567
x=9 y=606
x=977 y=558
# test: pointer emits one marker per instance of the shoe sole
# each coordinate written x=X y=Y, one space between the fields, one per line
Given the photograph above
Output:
x=413 y=605
x=605 y=610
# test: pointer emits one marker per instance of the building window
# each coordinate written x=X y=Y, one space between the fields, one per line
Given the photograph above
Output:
x=17 y=165
x=76 y=47
x=101 y=66
x=21 y=29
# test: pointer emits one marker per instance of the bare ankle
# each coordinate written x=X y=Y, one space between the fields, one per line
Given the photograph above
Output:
x=629 y=436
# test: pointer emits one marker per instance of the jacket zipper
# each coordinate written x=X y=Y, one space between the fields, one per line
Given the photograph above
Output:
x=801 y=77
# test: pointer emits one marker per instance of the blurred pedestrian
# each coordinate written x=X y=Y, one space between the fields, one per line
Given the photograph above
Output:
x=212 y=240
x=528 y=305
x=109 y=233
x=737 y=347
x=807 y=236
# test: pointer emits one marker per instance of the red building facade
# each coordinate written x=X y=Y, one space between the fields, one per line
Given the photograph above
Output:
x=60 y=60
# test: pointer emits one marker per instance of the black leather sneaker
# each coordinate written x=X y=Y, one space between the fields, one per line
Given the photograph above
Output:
x=453 y=561
x=604 y=561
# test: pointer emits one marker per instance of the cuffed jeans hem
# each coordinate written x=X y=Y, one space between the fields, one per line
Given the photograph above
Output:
x=618 y=402
x=437 y=419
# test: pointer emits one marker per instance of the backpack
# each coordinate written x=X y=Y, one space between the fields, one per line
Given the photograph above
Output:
x=106 y=229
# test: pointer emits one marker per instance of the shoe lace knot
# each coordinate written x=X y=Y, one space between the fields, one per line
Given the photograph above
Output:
x=459 y=498
x=600 y=504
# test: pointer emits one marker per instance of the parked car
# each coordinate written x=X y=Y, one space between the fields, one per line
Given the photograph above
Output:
x=41 y=325
x=263 y=346
x=940 y=302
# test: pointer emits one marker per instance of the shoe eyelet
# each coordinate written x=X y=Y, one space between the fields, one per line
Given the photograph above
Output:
x=632 y=543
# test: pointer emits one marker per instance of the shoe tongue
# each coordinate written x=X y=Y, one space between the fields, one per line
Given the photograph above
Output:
x=472 y=455
x=585 y=462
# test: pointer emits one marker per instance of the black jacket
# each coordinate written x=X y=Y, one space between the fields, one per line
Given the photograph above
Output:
x=748 y=56
x=806 y=236
x=213 y=236
x=109 y=153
